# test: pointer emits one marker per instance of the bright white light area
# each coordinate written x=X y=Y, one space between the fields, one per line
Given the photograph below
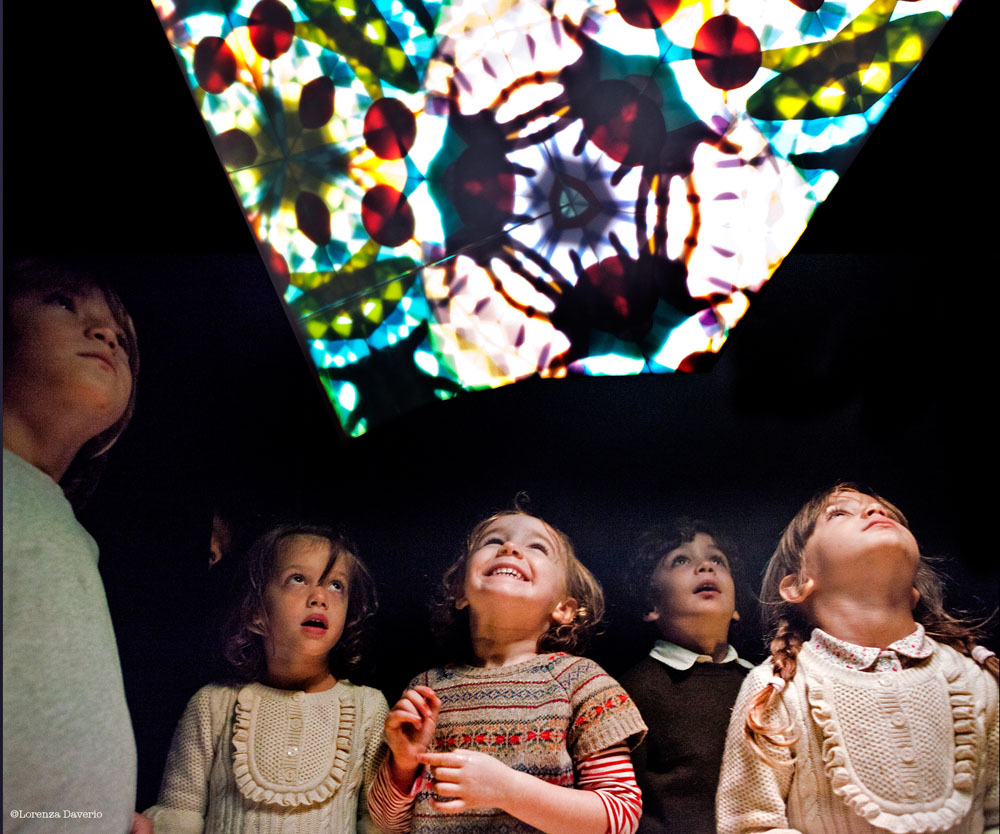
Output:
x=204 y=26
x=684 y=340
x=508 y=52
x=610 y=364
x=427 y=362
x=496 y=344
x=680 y=217
x=525 y=99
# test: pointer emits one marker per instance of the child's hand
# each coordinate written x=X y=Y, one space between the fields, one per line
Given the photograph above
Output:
x=409 y=731
x=467 y=779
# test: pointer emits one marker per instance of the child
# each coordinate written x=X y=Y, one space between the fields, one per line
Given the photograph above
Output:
x=524 y=737
x=70 y=367
x=294 y=747
x=870 y=714
x=683 y=572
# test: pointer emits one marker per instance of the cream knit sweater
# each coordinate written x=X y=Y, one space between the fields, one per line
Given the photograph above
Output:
x=264 y=760
x=909 y=751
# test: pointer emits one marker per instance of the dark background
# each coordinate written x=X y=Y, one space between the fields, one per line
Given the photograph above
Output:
x=867 y=357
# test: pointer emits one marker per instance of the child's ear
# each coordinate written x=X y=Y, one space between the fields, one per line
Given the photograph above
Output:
x=257 y=626
x=461 y=603
x=651 y=616
x=794 y=589
x=565 y=611
x=914 y=598
x=736 y=616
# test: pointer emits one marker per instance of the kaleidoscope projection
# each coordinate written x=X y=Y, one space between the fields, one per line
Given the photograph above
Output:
x=458 y=194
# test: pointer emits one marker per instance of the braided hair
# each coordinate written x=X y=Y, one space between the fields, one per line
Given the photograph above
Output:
x=788 y=627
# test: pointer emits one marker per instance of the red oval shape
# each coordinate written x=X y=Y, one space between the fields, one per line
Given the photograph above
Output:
x=214 y=65
x=313 y=217
x=390 y=128
x=236 y=148
x=276 y=265
x=271 y=28
x=647 y=14
x=726 y=52
x=316 y=102
x=387 y=216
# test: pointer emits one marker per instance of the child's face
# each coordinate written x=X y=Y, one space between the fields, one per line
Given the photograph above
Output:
x=517 y=562
x=857 y=541
x=306 y=604
x=70 y=354
x=693 y=582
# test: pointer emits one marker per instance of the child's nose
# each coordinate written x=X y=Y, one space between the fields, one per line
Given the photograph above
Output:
x=509 y=549
x=318 y=597
x=875 y=507
x=706 y=565
x=106 y=334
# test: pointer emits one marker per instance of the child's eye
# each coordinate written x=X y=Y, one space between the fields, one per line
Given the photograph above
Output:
x=62 y=299
x=493 y=540
x=540 y=546
x=679 y=560
x=720 y=560
x=336 y=585
x=296 y=579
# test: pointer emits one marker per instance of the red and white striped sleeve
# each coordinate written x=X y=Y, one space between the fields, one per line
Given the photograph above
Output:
x=609 y=774
x=390 y=808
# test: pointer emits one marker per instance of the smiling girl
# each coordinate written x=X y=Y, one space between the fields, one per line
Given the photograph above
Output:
x=518 y=736
x=876 y=710
x=294 y=747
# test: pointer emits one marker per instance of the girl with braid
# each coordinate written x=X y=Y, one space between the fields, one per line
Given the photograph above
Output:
x=877 y=710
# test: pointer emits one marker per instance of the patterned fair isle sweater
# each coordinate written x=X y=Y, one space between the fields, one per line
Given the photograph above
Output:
x=897 y=751
x=544 y=716
x=265 y=760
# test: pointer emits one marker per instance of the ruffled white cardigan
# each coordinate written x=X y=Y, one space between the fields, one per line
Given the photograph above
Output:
x=268 y=760
x=899 y=752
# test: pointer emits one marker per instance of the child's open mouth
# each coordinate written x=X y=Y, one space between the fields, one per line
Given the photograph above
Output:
x=315 y=623
x=506 y=570
x=707 y=587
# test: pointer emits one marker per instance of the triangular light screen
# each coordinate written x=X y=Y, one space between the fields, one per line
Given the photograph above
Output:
x=462 y=194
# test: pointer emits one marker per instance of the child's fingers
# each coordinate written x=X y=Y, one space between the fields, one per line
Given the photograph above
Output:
x=426 y=700
x=430 y=696
x=446 y=775
x=455 y=759
x=403 y=714
x=450 y=806
x=418 y=699
x=412 y=703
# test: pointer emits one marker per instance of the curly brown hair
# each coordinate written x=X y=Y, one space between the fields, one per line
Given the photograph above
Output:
x=788 y=625
x=451 y=625
x=655 y=542
x=244 y=641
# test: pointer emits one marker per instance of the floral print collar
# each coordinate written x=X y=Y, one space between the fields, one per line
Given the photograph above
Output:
x=894 y=658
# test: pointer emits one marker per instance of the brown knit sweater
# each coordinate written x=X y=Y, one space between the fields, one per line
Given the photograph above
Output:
x=541 y=717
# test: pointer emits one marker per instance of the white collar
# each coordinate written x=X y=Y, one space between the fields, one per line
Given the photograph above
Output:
x=679 y=658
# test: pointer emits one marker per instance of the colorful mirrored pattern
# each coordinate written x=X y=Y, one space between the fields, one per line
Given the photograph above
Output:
x=461 y=194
